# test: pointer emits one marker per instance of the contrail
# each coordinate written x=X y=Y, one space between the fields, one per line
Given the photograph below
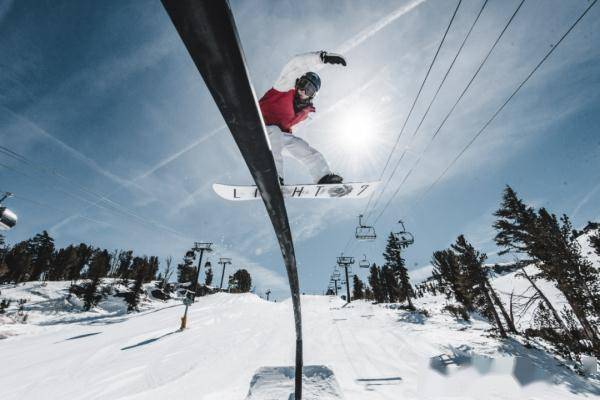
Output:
x=75 y=153
x=376 y=27
x=345 y=47
x=178 y=154
x=348 y=45
x=585 y=199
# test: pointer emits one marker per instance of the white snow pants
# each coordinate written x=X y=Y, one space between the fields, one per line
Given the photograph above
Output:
x=293 y=146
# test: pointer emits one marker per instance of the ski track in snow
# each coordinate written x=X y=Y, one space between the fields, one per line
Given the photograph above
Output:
x=375 y=351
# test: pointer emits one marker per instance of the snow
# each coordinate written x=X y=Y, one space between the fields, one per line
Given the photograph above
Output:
x=318 y=383
x=586 y=248
x=237 y=344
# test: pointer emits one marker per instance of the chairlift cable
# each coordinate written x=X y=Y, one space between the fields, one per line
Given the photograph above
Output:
x=509 y=22
x=546 y=56
x=54 y=208
x=109 y=205
x=416 y=98
x=429 y=106
x=410 y=111
x=507 y=101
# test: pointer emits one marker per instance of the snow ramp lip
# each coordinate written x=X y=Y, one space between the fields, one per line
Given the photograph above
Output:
x=277 y=383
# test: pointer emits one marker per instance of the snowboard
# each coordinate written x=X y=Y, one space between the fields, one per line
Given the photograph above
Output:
x=350 y=190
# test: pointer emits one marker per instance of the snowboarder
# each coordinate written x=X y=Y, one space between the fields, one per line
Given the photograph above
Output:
x=288 y=103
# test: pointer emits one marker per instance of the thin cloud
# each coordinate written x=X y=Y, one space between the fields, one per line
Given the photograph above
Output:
x=73 y=152
x=585 y=200
x=169 y=159
x=376 y=27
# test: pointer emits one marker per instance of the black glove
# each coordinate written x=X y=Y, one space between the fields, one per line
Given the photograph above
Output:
x=332 y=58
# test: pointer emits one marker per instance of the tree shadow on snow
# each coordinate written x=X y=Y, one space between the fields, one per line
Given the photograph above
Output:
x=83 y=336
x=148 y=341
x=87 y=320
x=533 y=365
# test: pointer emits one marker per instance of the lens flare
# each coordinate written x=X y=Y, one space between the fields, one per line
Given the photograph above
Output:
x=357 y=130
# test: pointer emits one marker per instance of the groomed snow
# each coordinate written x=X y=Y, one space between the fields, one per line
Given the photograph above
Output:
x=375 y=352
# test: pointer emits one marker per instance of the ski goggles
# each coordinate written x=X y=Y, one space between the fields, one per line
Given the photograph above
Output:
x=309 y=88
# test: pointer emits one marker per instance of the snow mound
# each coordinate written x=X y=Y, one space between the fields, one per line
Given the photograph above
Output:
x=276 y=383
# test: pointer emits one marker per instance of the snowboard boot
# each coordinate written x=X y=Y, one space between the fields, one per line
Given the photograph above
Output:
x=330 y=178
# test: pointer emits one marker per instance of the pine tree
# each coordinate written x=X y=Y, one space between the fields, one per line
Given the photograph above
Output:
x=99 y=267
x=209 y=277
x=3 y=251
x=18 y=262
x=517 y=229
x=141 y=268
x=153 y=267
x=63 y=262
x=164 y=282
x=368 y=294
x=243 y=281
x=84 y=254
x=186 y=272
x=389 y=284
x=125 y=260
x=447 y=272
x=376 y=283
x=472 y=263
x=398 y=283
x=516 y=224
x=41 y=248
x=358 y=288
x=554 y=248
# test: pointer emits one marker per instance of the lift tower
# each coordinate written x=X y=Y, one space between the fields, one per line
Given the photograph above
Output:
x=345 y=262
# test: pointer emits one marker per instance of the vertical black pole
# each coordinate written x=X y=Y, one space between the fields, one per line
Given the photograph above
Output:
x=222 y=276
x=347 y=285
x=198 y=274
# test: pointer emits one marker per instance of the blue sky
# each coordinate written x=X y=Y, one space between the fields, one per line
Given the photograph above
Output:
x=105 y=97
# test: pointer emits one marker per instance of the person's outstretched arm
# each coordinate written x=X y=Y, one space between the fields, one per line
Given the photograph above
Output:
x=303 y=63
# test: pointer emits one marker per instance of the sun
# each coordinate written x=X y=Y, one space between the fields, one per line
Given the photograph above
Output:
x=357 y=129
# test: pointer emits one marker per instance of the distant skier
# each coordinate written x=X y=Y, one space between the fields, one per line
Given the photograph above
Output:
x=287 y=104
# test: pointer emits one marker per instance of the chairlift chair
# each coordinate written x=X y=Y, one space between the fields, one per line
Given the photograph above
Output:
x=364 y=232
x=404 y=237
x=8 y=219
x=364 y=263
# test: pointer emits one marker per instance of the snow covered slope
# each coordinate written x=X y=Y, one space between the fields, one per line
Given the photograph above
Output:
x=374 y=352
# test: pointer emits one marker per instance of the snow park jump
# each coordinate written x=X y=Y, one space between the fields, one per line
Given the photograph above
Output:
x=316 y=200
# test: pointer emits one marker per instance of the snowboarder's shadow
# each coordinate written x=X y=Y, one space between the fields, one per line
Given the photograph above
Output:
x=148 y=341
x=525 y=365
x=413 y=317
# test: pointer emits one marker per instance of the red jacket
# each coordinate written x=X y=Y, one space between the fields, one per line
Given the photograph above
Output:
x=278 y=109
x=277 y=105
